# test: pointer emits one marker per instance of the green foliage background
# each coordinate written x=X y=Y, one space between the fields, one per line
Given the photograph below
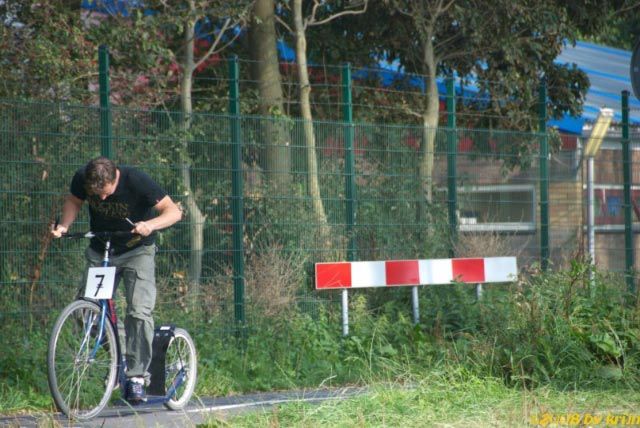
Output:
x=550 y=328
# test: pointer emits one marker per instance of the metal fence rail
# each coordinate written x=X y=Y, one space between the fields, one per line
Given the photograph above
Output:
x=261 y=203
x=498 y=210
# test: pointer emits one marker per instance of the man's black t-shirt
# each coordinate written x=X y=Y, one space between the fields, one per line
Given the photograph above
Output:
x=134 y=198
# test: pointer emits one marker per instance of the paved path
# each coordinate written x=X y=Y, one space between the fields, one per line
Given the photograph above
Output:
x=199 y=411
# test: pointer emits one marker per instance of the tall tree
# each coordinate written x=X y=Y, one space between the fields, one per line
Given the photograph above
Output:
x=266 y=72
x=507 y=47
x=50 y=49
x=317 y=12
x=182 y=17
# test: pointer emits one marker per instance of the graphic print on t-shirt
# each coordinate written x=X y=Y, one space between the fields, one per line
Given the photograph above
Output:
x=112 y=209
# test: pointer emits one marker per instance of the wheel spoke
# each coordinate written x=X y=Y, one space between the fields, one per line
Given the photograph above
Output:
x=180 y=362
x=81 y=372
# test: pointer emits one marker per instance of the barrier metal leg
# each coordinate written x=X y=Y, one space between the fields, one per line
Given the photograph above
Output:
x=345 y=313
x=415 y=304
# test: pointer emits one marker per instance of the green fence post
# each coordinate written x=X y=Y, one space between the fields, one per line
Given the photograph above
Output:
x=105 y=106
x=452 y=154
x=349 y=160
x=236 y=192
x=544 y=177
x=349 y=182
x=626 y=173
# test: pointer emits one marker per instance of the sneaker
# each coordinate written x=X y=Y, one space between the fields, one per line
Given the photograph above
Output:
x=135 y=393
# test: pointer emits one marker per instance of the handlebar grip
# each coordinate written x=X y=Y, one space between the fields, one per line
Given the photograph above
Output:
x=106 y=235
x=77 y=235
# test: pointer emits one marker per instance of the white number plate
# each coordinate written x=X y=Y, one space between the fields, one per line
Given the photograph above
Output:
x=100 y=282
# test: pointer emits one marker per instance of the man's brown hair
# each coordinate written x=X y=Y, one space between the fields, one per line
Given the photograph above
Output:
x=99 y=172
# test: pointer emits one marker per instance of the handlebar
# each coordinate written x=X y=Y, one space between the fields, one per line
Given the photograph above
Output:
x=107 y=235
x=103 y=235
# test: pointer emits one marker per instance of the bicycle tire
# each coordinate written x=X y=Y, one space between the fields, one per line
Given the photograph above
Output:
x=80 y=380
x=181 y=354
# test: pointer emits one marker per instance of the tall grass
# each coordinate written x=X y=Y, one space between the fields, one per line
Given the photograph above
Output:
x=551 y=331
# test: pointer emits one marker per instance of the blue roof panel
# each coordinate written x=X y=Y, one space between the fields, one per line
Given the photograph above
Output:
x=608 y=72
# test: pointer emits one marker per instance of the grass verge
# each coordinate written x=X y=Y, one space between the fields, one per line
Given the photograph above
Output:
x=453 y=400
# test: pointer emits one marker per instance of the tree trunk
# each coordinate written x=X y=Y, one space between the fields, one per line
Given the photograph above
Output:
x=305 y=106
x=429 y=129
x=194 y=215
x=265 y=70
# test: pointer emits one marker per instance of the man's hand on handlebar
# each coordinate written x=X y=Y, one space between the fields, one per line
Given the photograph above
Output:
x=142 y=228
x=58 y=230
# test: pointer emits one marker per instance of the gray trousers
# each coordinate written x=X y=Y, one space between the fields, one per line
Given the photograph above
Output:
x=136 y=268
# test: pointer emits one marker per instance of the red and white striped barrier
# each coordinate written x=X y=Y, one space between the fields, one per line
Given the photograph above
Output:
x=393 y=273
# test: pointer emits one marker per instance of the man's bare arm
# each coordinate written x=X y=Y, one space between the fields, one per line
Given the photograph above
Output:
x=170 y=214
x=70 y=210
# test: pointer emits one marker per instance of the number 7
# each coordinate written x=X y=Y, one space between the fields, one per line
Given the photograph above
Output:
x=99 y=284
